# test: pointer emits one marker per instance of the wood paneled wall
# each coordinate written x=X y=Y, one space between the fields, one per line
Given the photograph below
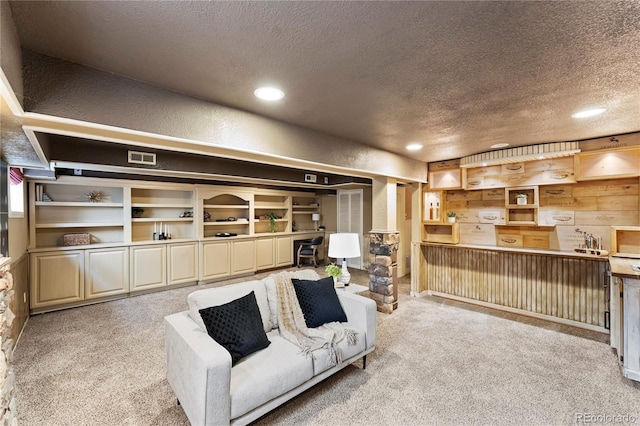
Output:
x=569 y=288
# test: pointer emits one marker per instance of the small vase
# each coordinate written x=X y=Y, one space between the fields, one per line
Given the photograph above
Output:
x=521 y=201
x=451 y=219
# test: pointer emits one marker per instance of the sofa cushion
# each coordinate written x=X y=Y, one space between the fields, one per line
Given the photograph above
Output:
x=267 y=374
x=220 y=295
x=319 y=301
x=236 y=326
x=321 y=355
x=272 y=293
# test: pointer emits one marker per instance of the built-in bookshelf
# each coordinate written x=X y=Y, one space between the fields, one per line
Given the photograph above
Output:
x=64 y=209
x=265 y=206
x=226 y=214
x=158 y=213
x=304 y=209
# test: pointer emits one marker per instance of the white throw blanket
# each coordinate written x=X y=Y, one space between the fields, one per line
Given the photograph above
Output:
x=293 y=327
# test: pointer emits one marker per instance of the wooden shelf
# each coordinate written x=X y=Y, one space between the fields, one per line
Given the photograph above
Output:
x=162 y=205
x=270 y=207
x=162 y=219
x=225 y=206
x=75 y=204
x=448 y=233
x=227 y=223
x=79 y=225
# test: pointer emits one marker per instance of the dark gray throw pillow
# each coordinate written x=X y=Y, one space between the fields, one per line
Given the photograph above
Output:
x=318 y=301
x=237 y=326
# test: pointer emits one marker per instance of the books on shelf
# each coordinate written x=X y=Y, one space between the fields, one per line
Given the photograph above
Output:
x=40 y=194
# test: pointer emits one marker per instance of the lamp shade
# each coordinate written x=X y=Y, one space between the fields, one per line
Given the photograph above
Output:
x=344 y=245
x=315 y=217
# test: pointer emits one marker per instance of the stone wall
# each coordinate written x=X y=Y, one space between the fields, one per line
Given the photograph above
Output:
x=383 y=268
x=7 y=378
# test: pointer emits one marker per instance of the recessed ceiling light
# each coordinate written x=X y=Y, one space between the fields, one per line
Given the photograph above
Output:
x=269 y=93
x=589 y=113
x=499 y=145
x=541 y=157
x=414 y=147
x=484 y=164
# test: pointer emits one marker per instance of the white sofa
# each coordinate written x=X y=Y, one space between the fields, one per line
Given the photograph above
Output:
x=211 y=392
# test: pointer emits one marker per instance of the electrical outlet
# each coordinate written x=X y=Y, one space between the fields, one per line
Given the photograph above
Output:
x=326 y=179
x=77 y=172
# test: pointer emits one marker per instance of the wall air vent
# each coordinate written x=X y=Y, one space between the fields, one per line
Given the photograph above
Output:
x=142 y=158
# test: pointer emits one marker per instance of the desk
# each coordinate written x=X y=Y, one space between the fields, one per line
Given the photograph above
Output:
x=301 y=236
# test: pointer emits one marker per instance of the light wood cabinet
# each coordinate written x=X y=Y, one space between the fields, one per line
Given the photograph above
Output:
x=242 y=260
x=445 y=175
x=57 y=278
x=441 y=233
x=522 y=205
x=148 y=267
x=124 y=256
x=106 y=272
x=265 y=253
x=632 y=328
x=432 y=207
x=284 y=251
x=215 y=260
x=182 y=263
x=608 y=164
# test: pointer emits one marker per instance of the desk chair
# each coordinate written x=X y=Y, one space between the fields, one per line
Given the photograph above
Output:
x=309 y=250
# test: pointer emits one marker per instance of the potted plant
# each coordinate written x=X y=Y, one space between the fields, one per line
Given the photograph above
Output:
x=137 y=211
x=272 y=221
x=451 y=217
x=521 y=199
x=334 y=271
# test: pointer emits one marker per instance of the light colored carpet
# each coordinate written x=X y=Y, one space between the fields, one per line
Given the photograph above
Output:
x=437 y=362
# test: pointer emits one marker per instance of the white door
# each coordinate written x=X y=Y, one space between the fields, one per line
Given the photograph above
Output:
x=350 y=219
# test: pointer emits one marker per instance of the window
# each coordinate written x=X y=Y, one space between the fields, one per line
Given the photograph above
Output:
x=16 y=192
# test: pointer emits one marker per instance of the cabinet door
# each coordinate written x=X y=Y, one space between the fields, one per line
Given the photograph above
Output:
x=265 y=253
x=148 y=267
x=242 y=259
x=57 y=278
x=285 y=251
x=182 y=262
x=107 y=272
x=216 y=262
x=631 y=328
x=618 y=163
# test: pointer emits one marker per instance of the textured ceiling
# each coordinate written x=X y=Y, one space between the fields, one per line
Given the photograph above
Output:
x=455 y=76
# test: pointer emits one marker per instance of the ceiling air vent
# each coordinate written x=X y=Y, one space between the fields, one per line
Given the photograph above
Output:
x=142 y=158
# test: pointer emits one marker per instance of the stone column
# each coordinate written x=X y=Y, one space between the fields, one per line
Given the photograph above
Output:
x=383 y=250
x=383 y=245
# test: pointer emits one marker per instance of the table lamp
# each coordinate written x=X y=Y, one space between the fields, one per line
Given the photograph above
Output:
x=344 y=246
x=316 y=218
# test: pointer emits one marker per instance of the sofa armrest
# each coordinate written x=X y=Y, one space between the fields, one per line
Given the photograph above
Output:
x=361 y=312
x=198 y=371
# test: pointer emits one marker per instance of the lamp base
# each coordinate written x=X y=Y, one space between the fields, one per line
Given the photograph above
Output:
x=346 y=276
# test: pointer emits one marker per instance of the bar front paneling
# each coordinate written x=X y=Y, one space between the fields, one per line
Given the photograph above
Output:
x=553 y=286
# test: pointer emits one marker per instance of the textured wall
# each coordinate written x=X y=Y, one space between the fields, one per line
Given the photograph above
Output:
x=10 y=53
x=68 y=90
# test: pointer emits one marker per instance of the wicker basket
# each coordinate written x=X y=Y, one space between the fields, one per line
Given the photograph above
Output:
x=76 y=239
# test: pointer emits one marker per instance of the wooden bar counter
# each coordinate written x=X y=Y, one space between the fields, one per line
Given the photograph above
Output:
x=564 y=287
